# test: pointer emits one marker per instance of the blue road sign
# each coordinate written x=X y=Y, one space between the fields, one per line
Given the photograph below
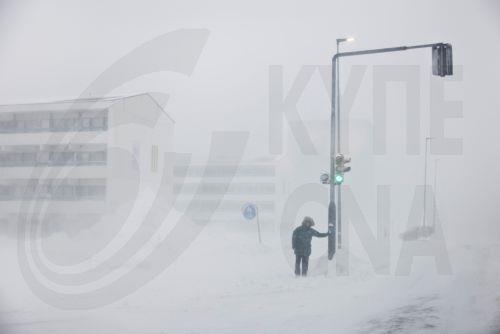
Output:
x=249 y=211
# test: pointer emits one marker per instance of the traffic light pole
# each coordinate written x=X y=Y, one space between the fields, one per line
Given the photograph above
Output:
x=338 y=237
x=332 y=212
x=333 y=229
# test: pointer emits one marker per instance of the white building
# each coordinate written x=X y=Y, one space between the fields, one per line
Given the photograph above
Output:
x=219 y=191
x=69 y=162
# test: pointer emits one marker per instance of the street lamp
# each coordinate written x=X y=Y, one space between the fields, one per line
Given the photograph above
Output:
x=346 y=39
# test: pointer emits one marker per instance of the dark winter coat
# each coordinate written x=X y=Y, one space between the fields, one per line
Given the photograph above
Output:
x=301 y=239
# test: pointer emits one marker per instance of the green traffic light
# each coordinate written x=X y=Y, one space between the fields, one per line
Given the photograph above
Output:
x=339 y=178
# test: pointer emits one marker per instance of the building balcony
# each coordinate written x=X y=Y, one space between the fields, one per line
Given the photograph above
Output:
x=59 y=172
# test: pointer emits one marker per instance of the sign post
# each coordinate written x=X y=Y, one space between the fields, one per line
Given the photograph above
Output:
x=251 y=211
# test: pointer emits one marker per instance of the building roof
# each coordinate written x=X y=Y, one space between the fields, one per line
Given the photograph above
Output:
x=93 y=103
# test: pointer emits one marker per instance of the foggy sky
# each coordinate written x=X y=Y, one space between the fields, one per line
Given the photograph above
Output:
x=52 y=50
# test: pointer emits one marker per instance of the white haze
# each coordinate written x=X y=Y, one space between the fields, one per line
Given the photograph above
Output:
x=54 y=50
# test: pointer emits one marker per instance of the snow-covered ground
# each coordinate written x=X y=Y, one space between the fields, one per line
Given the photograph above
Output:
x=225 y=282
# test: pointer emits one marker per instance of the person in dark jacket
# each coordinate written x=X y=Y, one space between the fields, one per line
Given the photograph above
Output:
x=301 y=244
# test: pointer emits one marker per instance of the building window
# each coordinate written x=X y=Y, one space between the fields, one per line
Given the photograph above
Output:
x=25 y=122
x=55 y=155
x=5 y=191
x=54 y=189
x=97 y=157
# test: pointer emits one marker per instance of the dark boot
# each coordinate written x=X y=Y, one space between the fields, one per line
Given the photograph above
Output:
x=297 y=265
x=305 y=265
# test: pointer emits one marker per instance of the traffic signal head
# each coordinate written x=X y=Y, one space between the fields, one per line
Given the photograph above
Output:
x=341 y=168
x=325 y=178
x=339 y=158
x=339 y=178
x=442 y=60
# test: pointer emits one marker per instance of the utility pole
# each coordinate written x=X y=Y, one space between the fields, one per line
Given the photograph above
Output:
x=424 y=218
x=442 y=65
x=435 y=193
